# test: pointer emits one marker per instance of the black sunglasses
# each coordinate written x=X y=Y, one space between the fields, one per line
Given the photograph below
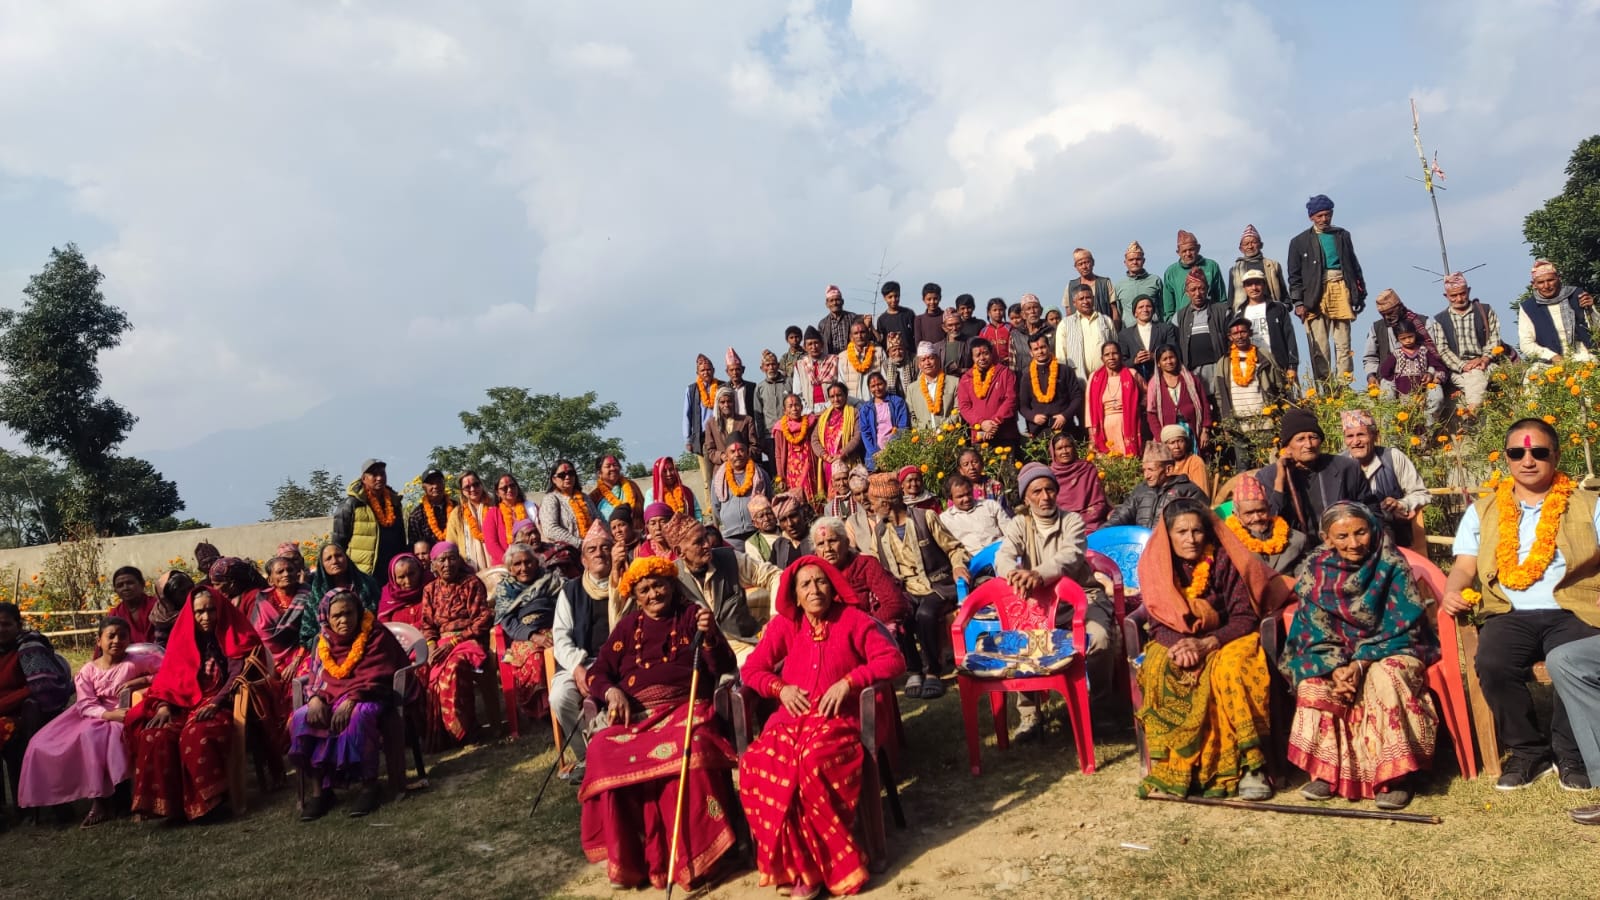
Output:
x=1542 y=454
x=567 y=474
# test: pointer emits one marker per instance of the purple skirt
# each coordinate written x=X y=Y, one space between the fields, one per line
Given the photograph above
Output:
x=346 y=758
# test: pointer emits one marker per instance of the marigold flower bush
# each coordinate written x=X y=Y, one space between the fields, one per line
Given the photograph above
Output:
x=936 y=452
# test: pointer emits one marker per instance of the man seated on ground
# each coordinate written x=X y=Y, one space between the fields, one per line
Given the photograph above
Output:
x=1039 y=548
x=1262 y=533
x=1304 y=481
x=1467 y=336
x=917 y=549
x=765 y=524
x=1395 y=490
x=975 y=523
x=716 y=578
x=1160 y=487
x=1533 y=548
x=867 y=577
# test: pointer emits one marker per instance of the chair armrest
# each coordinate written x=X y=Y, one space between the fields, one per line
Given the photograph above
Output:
x=501 y=645
x=1069 y=591
x=298 y=690
x=402 y=679
x=969 y=606
x=1270 y=637
x=1133 y=638
x=125 y=699
x=869 y=717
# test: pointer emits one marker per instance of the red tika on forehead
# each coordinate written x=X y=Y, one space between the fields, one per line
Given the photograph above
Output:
x=1527 y=440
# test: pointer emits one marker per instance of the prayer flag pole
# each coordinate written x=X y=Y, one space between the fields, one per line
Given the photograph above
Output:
x=1427 y=182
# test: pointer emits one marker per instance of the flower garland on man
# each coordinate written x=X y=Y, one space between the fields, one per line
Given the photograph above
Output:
x=987 y=397
x=1537 y=584
x=1262 y=533
x=367 y=521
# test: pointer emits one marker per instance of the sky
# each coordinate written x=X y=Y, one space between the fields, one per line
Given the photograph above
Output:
x=334 y=225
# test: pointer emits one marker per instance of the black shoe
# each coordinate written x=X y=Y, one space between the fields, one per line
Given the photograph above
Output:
x=1317 y=789
x=1574 y=777
x=1521 y=772
x=1395 y=796
x=317 y=807
x=366 y=802
x=1586 y=815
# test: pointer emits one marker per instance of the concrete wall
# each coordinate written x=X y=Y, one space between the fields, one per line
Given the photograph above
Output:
x=152 y=553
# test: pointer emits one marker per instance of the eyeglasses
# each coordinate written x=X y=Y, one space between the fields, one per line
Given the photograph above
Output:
x=567 y=474
x=1542 y=454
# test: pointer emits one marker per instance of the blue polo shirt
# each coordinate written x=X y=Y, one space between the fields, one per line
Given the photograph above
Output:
x=1541 y=595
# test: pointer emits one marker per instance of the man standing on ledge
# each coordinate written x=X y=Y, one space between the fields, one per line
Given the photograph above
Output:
x=1326 y=288
x=368 y=523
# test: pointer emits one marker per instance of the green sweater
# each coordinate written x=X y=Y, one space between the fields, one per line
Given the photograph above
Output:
x=1177 y=298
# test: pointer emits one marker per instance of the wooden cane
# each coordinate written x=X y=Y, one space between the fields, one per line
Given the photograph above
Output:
x=1305 y=810
x=683 y=769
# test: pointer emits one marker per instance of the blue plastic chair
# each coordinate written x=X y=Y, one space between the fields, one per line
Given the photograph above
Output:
x=982 y=562
x=1123 y=544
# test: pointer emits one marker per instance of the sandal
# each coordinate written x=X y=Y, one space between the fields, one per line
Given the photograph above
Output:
x=914 y=686
x=96 y=816
x=932 y=689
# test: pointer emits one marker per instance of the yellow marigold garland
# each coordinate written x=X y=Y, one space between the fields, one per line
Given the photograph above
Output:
x=509 y=514
x=1200 y=581
x=1243 y=375
x=855 y=359
x=645 y=567
x=935 y=407
x=1272 y=546
x=357 y=650
x=1519 y=576
x=1033 y=373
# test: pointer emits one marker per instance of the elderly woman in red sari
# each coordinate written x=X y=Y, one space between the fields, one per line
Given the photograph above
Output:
x=525 y=608
x=1358 y=653
x=274 y=612
x=455 y=619
x=1204 y=675
x=795 y=460
x=801 y=780
x=334 y=738
x=180 y=735
x=1113 y=404
x=630 y=786
x=612 y=489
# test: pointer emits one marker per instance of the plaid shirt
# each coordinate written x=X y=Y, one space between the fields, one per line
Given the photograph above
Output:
x=1466 y=326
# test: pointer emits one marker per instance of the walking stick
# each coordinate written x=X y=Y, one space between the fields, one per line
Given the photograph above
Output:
x=1305 y=810
x=560 y=755
x=683 y=768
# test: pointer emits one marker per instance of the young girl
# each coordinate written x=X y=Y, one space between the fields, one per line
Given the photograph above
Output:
x=80 y=753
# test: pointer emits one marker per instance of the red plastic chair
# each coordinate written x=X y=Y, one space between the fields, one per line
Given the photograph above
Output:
x=1102 y=564
x=1035 y=611
x=508 y=682
x=1444 y=676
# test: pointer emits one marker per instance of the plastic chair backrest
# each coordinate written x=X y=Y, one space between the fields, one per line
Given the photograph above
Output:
x=1225 y=509
x=1036 y=610
x=1103 y=565
x=411 y=639
x=982 y=562
x=1123 y=544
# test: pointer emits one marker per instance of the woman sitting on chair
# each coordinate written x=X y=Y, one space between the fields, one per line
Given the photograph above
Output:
x=1358 y=654
x=34 y=686
x=180 y=735
x=631 y=786
x=334 y=570
x=1204 y=675
x=335 y=736
x=801 y=780
x=525 y=608
x=455 y=619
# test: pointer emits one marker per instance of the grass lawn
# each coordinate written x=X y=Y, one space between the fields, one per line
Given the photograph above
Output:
x=1030 y=826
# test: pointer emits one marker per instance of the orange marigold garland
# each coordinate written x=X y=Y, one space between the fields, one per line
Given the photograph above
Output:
x=795 y=438
x=1200 y=581
x=855 y=359
x=385 y=513
x=743 y=486
x=433 y=520
x=629 y=496
x=982 y=383
x=645 y=567
x=708 y=392
x=1519 y=576
x=580 y=511
x=473 y=525
x=935 y=407
x=1271 y=546
x=509 y=514
x=677 y=497
x=357 y=650
x=1245 y=374
x=1033 y=373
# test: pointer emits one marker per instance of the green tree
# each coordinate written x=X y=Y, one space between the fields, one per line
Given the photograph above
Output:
x=317 y=497
x=29 y=486
x=636 y=470
x=525 y=434
x=173 y=523
x=1566 y=230
x=50 y=350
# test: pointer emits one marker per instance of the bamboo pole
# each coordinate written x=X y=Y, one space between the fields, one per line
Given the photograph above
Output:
x=1333 y=813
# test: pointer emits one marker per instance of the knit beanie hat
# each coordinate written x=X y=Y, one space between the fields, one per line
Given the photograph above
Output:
x=1297 y=421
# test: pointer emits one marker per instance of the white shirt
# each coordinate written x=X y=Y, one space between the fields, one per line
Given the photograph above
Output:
x=978 y=527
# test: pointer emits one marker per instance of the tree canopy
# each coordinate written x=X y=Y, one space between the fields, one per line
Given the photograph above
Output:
x=1566 y=230
x=525 y=434
x=50 y=350
x=317 y=497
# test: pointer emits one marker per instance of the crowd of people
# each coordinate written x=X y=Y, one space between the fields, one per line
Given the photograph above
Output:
x=804 y=572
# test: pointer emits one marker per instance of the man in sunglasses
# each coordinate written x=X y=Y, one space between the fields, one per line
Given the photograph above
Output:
x=1546 y=602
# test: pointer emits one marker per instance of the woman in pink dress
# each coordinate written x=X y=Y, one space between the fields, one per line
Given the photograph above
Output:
x=80 y=753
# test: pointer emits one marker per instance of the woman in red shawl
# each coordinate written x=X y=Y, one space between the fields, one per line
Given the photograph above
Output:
x=1204 y=676
x=1078 y=482
x=273 y=607
x=1112 y=407
x=456 y=616
x=630 y=786
x=335 y=736
x=133 y=605
x=179 y=736
x=801 y=780
x=791 y=447
x=401 y=600
x=667 y=487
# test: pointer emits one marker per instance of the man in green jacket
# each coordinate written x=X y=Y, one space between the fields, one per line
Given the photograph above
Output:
x=1175 y=297
x=368 y=524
